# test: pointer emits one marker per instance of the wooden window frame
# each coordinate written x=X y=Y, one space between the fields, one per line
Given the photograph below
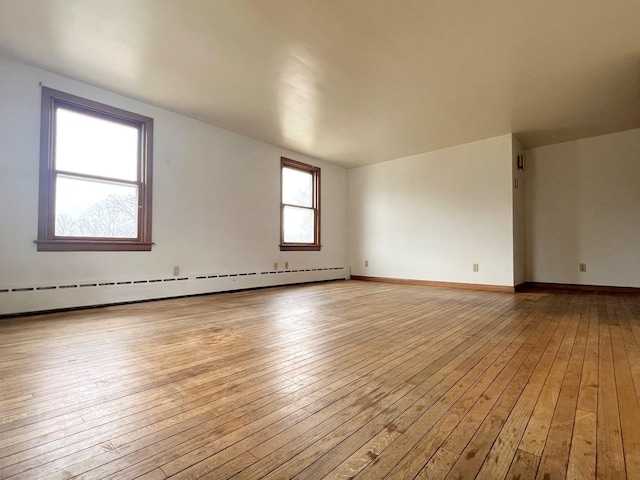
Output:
x=315 y=172
x=47 y=239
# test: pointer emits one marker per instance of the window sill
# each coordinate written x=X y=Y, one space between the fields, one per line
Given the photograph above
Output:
x=92 y=246
x=302 y=247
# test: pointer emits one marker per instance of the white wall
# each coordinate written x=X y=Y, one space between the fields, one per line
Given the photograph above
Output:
x=583 y=205
x=432 y=216
x=215 y=198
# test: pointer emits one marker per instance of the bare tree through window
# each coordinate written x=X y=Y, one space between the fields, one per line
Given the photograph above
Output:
x=113 y=217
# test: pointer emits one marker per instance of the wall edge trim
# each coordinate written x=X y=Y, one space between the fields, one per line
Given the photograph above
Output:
x=575 y=286
x=433 y=283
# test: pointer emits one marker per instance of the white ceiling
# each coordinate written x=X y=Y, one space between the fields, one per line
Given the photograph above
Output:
x=352 y=81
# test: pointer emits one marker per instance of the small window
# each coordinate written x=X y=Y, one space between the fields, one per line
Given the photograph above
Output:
x=95 y=176
x=300 y=206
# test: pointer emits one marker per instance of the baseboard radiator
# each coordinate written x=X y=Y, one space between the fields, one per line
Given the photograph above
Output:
x=44 y=297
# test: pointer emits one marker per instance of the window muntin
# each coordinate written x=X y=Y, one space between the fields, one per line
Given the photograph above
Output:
x=95 y=176
x=300 y=206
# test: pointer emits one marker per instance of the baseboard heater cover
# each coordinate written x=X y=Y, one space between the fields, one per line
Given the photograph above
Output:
x=36 y=298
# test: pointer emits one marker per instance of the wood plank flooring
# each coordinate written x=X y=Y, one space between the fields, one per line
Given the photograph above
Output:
x=334 y=380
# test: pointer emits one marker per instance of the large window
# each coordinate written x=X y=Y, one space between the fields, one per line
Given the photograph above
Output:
x=300 y=206
x=95 y=176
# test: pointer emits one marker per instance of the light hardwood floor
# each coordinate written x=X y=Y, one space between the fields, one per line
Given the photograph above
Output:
x=332 y=380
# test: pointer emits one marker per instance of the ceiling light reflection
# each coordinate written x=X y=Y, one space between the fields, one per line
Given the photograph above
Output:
x=298 y=99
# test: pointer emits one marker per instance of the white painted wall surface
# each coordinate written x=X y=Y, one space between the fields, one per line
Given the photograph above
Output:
x=432 y=216
x=215 y=197
x=583 y=205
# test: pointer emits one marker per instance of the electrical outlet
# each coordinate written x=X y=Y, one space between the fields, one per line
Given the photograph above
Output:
x=583 y=267
x=366 y=263
x=275 y=265
x=176 y=271
x=286 y=265
x=475 y=267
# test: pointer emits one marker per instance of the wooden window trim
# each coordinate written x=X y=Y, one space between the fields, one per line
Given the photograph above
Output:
x=47 y=240
x=315 y=171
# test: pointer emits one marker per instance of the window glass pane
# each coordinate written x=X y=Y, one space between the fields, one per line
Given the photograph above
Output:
x=89 y=208
x=298 y=225
x=94 y=146
x=297 y=187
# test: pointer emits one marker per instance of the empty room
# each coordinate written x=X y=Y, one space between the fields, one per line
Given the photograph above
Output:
x=342 y=239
